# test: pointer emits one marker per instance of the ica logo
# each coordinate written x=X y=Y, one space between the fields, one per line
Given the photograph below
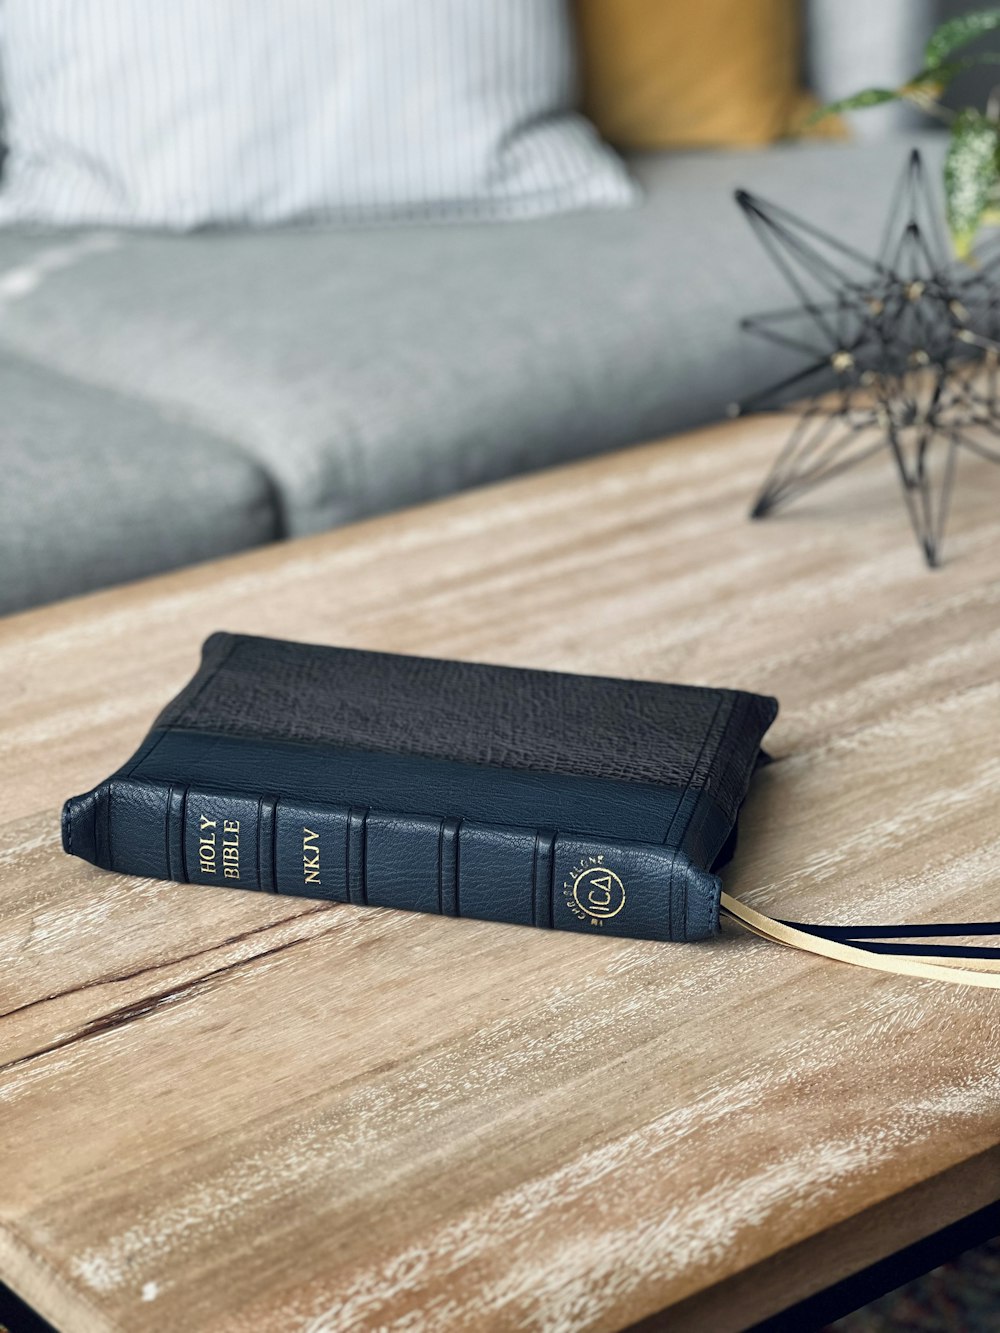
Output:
x=593 y=892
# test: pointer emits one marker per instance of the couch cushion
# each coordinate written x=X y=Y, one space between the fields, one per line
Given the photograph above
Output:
x=691 y=72
x=97 y=488
x=368 y=369
x=186 y=113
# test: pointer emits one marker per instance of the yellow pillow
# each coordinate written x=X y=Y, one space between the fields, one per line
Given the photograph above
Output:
x=683 y=73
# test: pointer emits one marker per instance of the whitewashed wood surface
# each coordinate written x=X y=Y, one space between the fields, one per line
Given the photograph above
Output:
x=224 y=1112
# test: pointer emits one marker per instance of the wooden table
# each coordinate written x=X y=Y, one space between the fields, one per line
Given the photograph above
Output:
x=222 y=1111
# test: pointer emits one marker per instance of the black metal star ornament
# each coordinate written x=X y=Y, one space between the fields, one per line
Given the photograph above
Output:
x=902 y=354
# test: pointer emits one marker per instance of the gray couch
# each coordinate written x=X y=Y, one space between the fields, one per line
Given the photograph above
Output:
x=171 y=399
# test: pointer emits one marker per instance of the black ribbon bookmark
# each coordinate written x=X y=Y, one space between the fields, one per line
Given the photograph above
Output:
x=883 y=948
x=872 y=937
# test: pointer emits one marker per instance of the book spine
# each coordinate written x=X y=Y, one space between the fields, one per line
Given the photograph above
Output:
x=376 y=858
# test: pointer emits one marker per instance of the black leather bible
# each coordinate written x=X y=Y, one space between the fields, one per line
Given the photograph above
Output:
x=533 y=797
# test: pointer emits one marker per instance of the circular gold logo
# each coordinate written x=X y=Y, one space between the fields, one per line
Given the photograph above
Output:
x=599 y=892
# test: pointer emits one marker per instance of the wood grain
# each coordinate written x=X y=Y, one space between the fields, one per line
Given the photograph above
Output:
x=220 y=1111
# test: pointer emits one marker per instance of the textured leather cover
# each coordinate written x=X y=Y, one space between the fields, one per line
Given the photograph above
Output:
x=505 y=717
x=505 y=793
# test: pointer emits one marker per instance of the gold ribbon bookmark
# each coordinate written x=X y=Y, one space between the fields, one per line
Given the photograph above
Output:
x=964 y=972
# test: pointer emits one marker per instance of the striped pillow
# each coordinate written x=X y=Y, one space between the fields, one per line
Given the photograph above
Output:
x=190 y=112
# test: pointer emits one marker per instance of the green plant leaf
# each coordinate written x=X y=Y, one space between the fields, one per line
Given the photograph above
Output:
x=869 y=97
x=959 y=32
x=971 y=174
x=936 y=79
